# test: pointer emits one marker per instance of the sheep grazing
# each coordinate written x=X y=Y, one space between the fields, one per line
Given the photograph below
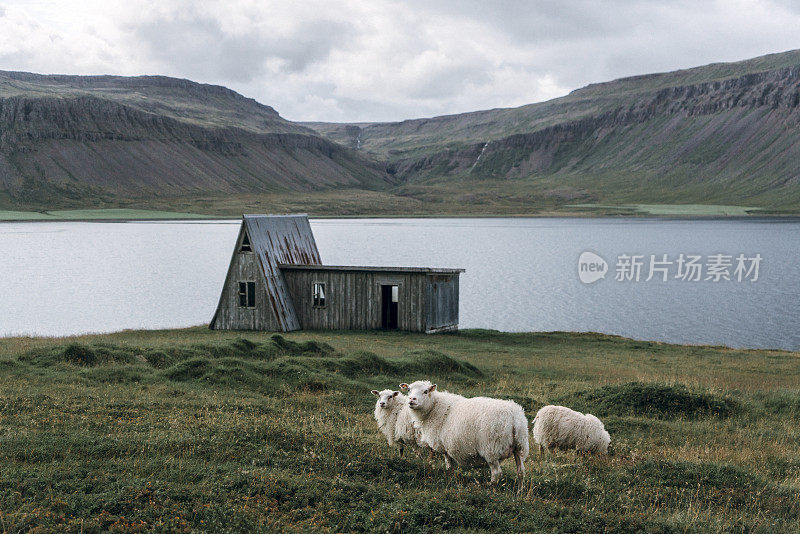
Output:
x=394 y=418
x=470 y=431
x=558 y=427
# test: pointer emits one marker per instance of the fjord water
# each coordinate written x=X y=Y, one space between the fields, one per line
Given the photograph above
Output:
x=521 y=274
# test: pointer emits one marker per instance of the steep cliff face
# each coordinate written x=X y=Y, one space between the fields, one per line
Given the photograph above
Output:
x=723 y=137
x=735 y=119
x=184 y=100
x=105 y=137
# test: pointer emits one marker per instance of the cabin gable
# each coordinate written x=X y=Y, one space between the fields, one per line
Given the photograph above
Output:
x=231 y=315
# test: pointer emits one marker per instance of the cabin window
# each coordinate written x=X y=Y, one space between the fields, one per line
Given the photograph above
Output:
x=247 y=294
x=319 y=295
x=246 y=244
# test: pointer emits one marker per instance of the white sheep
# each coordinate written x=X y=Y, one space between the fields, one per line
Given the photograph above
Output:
x=558 y=427
x=470 y=431
x=394 y=419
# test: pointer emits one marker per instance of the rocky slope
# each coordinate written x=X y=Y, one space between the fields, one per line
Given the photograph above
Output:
x=65 y=140
x=723 y=134
x=720 y=133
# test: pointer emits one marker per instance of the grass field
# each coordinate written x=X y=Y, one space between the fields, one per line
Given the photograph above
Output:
x=194 y=430
x=684 y=210
x=443 y=198
x=96 y=214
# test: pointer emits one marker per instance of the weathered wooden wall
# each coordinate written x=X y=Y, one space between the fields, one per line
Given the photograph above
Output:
x=244 y=268
x=353 y=299
x=441 y=302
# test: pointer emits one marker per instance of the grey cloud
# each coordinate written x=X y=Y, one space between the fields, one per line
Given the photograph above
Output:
x=449 y=81
x=199 y=46
x=543 y=21
x=374 y=110
x=349 y=61
x=792 y=6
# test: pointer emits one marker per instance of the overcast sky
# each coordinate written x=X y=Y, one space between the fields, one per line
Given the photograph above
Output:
x=380 y=60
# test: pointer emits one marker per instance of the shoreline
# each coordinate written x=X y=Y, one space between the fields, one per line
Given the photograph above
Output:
x=202 y=329
x=641 y=216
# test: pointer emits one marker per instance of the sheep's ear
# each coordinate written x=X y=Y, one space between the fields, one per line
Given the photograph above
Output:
x=376 y=392
x=432 y=388
x=396 y=393
x=403 y=386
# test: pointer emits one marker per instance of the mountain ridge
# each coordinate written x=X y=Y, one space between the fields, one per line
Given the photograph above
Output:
x=730 y=136
x=578 y=97
x=724 y=133
x=176 y=101
x=74 y=140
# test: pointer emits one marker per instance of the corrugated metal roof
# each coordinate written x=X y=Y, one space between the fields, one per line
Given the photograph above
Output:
x=276 y=240
x=316 y=267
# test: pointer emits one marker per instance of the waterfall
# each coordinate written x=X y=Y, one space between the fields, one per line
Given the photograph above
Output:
x=479 y=156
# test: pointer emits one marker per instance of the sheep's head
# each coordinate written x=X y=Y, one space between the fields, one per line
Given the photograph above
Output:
x=420 y=394
x=604 y=440
x=386 y=397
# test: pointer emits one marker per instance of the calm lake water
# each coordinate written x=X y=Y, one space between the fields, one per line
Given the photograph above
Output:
x=521 y=274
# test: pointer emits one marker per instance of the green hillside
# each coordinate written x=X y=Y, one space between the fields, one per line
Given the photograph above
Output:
x=721 y=134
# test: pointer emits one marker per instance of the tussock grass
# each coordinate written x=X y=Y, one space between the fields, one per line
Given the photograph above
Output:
x=193 y=430
x=651 y=399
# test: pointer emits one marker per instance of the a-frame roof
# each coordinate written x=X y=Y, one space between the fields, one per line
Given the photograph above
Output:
x=276 y=240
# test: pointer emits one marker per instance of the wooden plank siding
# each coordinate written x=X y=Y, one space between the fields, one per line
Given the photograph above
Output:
x=441 y=299
x=244 y=267
x=353 y=299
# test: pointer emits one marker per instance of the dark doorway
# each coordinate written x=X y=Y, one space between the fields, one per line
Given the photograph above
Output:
x=389 y=298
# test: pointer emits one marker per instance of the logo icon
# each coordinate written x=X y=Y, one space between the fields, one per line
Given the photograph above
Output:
x=591 y=267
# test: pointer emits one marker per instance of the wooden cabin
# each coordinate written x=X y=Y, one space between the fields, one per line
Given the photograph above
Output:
x=276 y=282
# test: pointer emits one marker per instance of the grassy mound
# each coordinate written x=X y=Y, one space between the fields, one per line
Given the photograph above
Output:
x=93 y=354
x=297 y=349
x=353 y=372
x=784 y=402
x=277 y=366
x=229 y=372
x=435 y=363
x=413 y=365
x=650 y=399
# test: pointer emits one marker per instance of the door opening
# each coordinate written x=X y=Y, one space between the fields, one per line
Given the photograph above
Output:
x=389 y=299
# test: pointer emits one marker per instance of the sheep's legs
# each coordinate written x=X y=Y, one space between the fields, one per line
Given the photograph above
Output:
x=520 y=464
x=447 y=461
x=496 y=471
x=520 y=471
